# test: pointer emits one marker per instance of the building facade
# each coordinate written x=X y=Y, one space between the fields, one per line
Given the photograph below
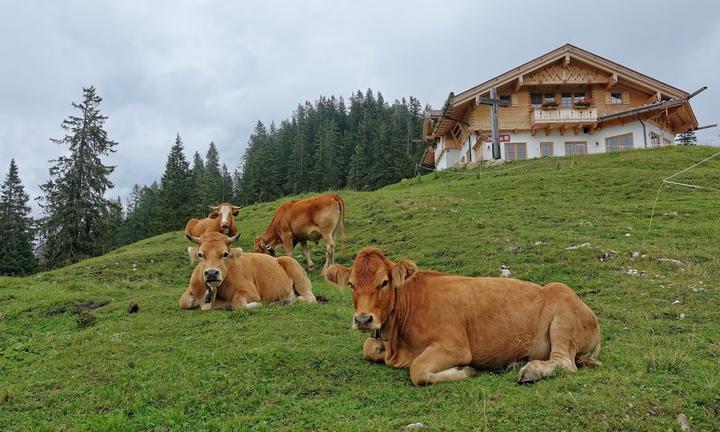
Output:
x=566 y=102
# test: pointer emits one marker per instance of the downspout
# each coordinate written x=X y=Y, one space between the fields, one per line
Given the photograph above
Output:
x=644 y=130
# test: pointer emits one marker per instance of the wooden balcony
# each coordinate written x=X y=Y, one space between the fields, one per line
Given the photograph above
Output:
x=542 y=117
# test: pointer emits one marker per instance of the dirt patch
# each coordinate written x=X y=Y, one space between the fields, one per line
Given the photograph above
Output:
x=133 y=308
x=86 y=307
x=85 y=319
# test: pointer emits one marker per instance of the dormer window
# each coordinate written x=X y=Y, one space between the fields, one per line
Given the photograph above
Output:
x=616 y=98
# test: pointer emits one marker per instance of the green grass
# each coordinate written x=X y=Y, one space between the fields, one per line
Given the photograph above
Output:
x=299 y=367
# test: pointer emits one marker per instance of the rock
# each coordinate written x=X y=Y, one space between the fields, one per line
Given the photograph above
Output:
x=627 y=234
x=505 y=271
x=608 y=255
x=514 y=249
x=670 y=261
x=414 y=426
x=677 y=302
x=635 y=254
x=670 y=214
x=634 y=272
x=683 y=422
x=133 y=308
x=539 y=242
x=582 y=245
x=682 y=316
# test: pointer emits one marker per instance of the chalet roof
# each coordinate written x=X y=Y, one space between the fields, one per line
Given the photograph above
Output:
x=456 y=104
x=572 y=52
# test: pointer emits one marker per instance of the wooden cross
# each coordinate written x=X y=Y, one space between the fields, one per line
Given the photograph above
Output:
x=494 y=103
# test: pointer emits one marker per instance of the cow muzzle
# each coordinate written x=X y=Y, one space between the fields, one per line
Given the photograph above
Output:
x=365 y=322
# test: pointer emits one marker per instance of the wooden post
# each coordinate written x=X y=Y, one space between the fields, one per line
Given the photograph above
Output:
x=495 y=133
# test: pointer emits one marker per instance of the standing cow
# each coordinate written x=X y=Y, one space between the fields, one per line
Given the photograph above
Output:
x=225 y=276
x=300 y=221
x=221 y=219
x=446 y=327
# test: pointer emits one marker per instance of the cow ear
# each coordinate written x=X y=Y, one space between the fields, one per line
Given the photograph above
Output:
x=337 y=275
x=235 y=211
x=236 y=252
x=213 y=214
x=192 y=251
x=402 y=271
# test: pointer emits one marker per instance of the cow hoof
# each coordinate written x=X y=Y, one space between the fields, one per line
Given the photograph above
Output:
x=253 y=305
x=468 y=370
x=527 y=376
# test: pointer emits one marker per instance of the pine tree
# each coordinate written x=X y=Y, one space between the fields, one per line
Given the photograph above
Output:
x=226 y=185
x=175 y=195
x=74 y=200
x=211 y=183
x=198 y=202
x=686 y=138
x=16 y=248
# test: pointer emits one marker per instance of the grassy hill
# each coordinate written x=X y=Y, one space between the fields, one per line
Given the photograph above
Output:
x=69 y=360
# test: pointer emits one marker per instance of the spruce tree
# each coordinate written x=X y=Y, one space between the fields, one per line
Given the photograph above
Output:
x=686 y=138
x=175 y=195
x=226 y=185
x=16 y=227
x=198 y=204
x=74 y=200
x=211 y=182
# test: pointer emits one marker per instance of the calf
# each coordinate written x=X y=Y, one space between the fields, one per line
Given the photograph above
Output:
x=226 y=276
x=221 y=219
x=446 y=327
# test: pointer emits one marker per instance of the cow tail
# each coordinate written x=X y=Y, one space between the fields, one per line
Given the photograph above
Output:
x=341 y=225
x=591 y=360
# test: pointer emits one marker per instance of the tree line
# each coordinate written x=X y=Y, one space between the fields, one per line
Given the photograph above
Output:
x=326 y=144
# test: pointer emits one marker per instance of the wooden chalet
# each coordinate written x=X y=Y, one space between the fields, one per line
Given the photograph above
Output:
x=568 y=101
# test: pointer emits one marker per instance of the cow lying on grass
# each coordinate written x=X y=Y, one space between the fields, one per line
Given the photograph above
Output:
x=446 y=327
x=226 y=276
x=221 y=219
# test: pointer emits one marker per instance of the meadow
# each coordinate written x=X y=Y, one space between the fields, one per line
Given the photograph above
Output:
x=73 y=358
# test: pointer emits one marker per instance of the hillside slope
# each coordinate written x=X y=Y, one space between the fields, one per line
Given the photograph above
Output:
x=67 y=364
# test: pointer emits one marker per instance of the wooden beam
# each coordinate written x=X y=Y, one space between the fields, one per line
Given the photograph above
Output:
x=611 y=81
x=547 y=131
x=533 y=130
x=576 y=129
x=563 y=128
x=519 y=83
x=593 y=128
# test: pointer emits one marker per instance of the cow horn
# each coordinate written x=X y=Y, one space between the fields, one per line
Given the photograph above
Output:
x=233 y=238
x=213 y=207
x=236 y=208
x=192 y=238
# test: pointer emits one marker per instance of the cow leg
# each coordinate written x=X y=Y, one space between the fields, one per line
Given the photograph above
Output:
x=374 y=350
x=561 y=353
x=187 y=301
x=438 y=364
x=301 y=283
x=244 y=301
x=329 y=251
x=306 y=252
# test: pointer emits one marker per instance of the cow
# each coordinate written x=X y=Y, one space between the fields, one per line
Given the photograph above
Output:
x=221 y=219
x=226 y=277
x=446 y=327
x=300 y=221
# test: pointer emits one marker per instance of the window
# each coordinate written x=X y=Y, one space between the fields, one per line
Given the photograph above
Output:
x=667 y=142
x=619 y=142
x=616 y=98
x=575 y=148
x=546 y=149
x=579 y=97
x=654 y=139
x=515 y=151
x=549 y=97
x=567 y=100
x=536 y=100
x=505 y=98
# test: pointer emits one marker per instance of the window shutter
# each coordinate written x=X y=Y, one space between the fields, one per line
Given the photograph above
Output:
x=514 y=99
x=607 y=98
x=626 y=97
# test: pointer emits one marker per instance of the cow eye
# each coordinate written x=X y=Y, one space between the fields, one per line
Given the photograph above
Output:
x=351 y=285
x=226 y=254
x=384 y=284
x=199 y=254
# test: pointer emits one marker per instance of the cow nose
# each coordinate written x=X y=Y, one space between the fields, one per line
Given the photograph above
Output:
x=224 y=224
x=212 y=274
x=363 y=320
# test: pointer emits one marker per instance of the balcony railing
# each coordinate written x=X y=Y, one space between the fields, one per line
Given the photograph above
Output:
x=563 y=115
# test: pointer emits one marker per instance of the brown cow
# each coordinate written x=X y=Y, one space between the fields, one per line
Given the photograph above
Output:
x=300 y=221
x=445 y=327
x=226 y=276
x=221 y=219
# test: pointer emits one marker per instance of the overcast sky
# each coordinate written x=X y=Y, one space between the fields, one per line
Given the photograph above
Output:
x=211 y=69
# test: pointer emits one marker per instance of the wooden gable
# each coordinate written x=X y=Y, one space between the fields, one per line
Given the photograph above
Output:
x=563 y=73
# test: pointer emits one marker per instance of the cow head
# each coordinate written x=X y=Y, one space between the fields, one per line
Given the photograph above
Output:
x=212 y=256
x=224 y=211
x=262 y=246
x=373 y=279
